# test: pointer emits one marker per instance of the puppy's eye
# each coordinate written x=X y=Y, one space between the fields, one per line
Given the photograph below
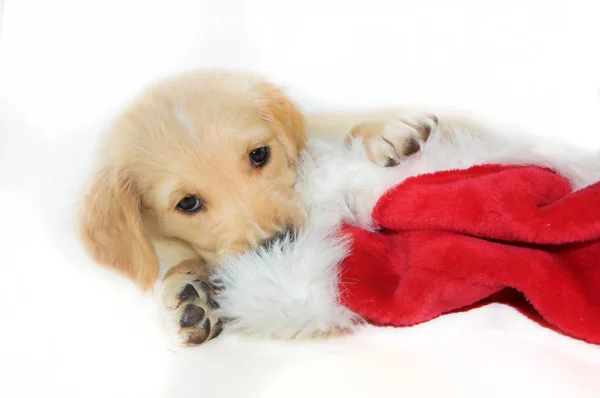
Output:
x=259 y=156
x=189 y=204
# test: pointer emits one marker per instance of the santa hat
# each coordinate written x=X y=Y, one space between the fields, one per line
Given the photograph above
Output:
x=452 y=226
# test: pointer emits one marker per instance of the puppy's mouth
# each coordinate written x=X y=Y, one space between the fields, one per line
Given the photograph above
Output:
x=281 y=236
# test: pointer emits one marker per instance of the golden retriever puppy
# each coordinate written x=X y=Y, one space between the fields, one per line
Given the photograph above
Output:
x=202 y=165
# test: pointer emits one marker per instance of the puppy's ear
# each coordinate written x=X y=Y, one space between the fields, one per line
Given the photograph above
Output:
x=112 y=230
x=283 y=118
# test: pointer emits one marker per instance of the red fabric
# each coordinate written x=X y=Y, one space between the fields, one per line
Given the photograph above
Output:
x=449 y=240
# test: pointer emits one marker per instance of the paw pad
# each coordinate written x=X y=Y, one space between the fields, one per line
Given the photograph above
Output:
x=192 y=314
x=191 y=309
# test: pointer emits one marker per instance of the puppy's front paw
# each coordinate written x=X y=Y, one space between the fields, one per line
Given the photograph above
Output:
x=189 y=305
x=389 y=142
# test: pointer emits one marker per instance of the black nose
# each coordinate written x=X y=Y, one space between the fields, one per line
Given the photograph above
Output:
x=285 y=234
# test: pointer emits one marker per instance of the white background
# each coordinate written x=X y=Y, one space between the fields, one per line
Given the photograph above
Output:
x=69 y=329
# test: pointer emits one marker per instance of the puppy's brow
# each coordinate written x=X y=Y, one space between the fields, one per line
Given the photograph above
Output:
x=255 y=134
x=164 y=191
x=258 y=143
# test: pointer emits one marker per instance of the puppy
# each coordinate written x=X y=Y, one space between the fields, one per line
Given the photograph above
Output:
x=202 y=165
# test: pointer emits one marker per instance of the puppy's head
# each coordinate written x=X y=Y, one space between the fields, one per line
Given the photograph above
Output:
x=204 y=162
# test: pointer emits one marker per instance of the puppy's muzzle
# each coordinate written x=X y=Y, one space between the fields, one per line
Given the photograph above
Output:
x=288 y=234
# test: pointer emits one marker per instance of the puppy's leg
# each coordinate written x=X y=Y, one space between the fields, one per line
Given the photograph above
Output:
x=389 y=142
x=188 y=300
x=390 y=135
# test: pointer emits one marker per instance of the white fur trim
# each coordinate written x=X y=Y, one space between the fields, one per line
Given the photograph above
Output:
x=290 y=290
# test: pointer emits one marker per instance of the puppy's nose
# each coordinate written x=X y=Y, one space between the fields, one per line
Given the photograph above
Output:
x=285 y=234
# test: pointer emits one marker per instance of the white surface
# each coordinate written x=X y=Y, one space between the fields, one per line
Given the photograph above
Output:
x=71 y=330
